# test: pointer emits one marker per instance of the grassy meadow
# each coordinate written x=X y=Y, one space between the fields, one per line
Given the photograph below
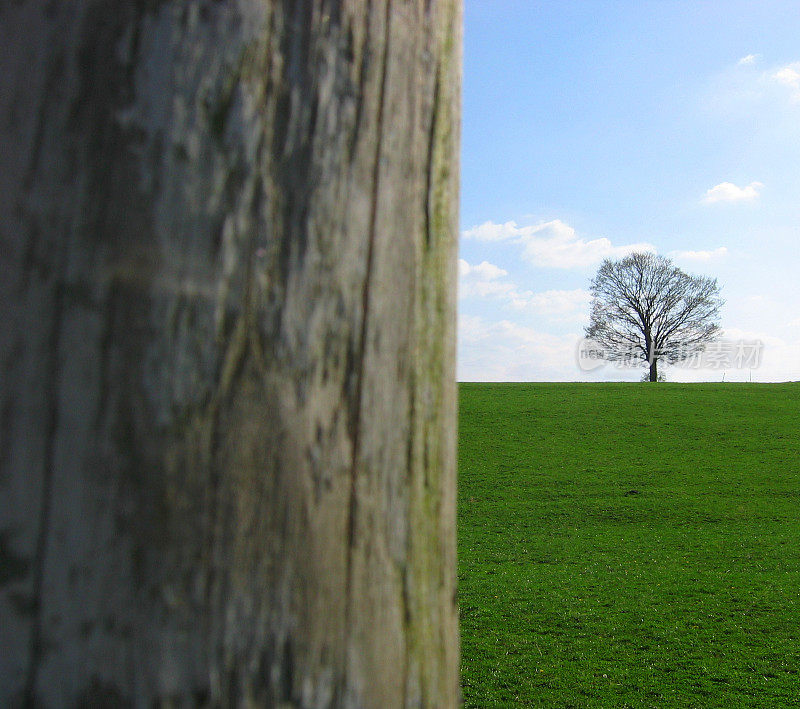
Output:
x=630 y=545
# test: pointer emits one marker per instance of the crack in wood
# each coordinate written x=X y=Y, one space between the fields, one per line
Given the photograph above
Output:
x=372 y=237
x=53 y=379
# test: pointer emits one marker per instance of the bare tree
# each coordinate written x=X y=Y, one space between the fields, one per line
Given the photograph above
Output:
x=227 y=397
x=644 y=307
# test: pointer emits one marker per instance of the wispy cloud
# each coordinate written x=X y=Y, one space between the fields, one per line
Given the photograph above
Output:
x=729 y=192
x=553 y=244
x=749 y=59
x=557 y=304
x=699 y=255
x=507 y=351
x=779 y=354
x=749 y=87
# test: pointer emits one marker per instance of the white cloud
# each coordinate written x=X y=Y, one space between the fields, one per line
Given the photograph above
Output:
x=762 y=312
x=789 y=75
x=745 y=91
x=779 y=357
x=561 y=304
x=489 y=231
x=507 y=351
x=749 y=59
x=485 y=270
x=553 y=244
x=504 y=350
x=486 y=281
x=485 y=289
x=699 y=255
x=728 y=192
x=482 y=280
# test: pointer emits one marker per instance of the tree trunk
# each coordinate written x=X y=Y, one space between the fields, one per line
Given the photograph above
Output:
x=227 y=415
x=653 y=370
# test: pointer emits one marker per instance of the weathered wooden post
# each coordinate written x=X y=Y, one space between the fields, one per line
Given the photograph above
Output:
x=227 y=399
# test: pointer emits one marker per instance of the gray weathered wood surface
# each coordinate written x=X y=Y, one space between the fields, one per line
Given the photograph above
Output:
x=227 y=398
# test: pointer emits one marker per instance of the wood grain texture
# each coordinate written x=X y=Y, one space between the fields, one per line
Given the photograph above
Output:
x=227 y=415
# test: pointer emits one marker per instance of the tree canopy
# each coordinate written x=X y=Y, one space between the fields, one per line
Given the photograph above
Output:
x=646 y=308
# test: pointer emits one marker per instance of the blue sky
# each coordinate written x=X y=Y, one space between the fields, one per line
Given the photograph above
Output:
x=591 y=129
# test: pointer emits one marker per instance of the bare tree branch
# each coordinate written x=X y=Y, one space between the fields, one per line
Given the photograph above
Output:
x=645 y=307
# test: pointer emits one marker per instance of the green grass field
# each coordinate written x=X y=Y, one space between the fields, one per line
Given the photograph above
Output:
x=630 y=545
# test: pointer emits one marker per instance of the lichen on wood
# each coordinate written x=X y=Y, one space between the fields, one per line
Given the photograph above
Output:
x=228 y=403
